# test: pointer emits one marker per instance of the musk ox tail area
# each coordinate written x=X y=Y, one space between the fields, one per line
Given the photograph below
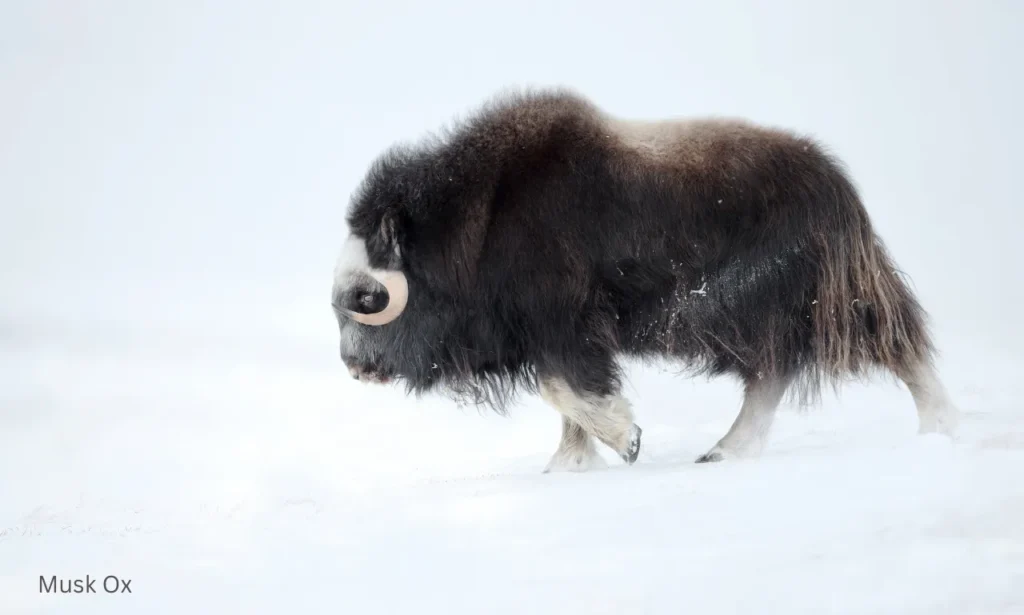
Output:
x=865 y=316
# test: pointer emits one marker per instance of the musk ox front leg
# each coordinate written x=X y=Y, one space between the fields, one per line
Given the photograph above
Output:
x=586 y=416
x=749 y=432
x=576 y=452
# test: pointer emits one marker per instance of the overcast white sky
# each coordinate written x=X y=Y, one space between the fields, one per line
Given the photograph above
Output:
x=179 y=157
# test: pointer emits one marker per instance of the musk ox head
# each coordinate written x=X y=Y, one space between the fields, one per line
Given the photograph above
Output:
x=421 y=292
x=370 y=291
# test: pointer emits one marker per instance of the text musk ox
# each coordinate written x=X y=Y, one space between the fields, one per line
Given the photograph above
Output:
x=540 y=241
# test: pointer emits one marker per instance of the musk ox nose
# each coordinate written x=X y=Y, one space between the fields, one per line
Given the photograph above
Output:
x=350 y=364
x=354 y=369
x=366 y=372
x=371 y=375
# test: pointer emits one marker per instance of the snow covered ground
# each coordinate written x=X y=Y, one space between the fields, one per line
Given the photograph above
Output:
x=173 y=412
x=222 y=478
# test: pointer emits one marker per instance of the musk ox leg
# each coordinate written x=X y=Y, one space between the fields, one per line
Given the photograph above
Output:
x=749 y=432
x=935 y=411
x=576 y=452
x=608 y=418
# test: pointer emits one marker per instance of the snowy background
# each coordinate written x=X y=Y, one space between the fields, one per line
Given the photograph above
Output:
x=173 y=180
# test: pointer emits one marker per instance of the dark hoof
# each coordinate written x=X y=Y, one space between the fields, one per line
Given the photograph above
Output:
x=711 y=457
x=634 y=445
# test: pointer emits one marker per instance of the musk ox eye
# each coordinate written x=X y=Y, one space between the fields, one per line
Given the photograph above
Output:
x=369 y=301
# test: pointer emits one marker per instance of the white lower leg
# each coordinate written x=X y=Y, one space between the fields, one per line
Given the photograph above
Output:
x=935 y=411
x=609 y=419
x=576 y=452
x=749 y=432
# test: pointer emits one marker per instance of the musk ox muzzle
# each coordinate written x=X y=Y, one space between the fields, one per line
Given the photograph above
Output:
x=367 y=372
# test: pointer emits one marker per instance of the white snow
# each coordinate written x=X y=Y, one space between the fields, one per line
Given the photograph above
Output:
x=268 y=482
x=173 y=411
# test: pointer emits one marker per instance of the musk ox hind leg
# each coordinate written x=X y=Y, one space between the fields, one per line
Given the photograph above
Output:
x=935 y=411
x=749 y=432
x=586 y=417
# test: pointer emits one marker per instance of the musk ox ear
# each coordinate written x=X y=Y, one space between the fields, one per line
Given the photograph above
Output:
x=389 y=235
x=385 y=243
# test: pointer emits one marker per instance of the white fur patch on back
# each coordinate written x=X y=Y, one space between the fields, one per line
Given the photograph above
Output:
x=680 y=141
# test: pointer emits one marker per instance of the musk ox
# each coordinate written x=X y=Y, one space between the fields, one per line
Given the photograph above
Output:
x=540 y=241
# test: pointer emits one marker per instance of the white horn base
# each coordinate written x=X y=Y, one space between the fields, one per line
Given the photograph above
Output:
x=398 y=295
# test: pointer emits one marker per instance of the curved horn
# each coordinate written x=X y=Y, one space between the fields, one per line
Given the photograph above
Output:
x=398 y=295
